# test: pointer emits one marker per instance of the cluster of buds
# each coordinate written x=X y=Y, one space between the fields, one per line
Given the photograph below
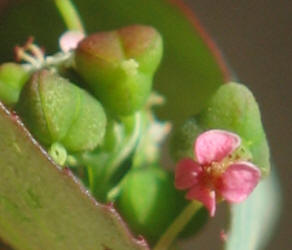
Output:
x=117 y=68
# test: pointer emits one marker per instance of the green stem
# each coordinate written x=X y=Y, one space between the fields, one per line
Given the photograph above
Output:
x=177 y=226
x=100 y=176
x=70 y=15
x=125 y=150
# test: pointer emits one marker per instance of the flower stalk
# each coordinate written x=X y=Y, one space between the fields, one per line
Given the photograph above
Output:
x=70 y=15
x=178 y=225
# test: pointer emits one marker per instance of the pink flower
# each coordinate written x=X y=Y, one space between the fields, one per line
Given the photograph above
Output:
x=215 y=174
x=70 y=39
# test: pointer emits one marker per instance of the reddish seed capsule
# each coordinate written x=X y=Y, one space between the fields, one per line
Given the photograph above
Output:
x=119 y=66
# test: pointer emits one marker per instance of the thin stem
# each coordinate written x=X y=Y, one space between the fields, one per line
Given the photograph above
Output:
x=37 y=52
x=177 y=226
x=126 y=149
x=70 y=15
x=57 y=60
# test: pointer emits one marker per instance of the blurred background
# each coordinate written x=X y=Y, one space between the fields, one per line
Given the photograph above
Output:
x=256 y=39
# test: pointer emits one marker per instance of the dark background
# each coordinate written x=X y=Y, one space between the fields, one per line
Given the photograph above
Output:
x=256 y=38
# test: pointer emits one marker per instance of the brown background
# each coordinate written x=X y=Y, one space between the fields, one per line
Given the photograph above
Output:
x=256 y=39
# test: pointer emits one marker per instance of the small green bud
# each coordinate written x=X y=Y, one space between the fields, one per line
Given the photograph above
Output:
x=119 y=66
x=57 y=111
x=58 y=153
x=12 y=78
x=233 y=108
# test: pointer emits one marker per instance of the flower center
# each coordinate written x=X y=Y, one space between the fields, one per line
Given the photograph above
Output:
x=213 y=171
x=216 y=169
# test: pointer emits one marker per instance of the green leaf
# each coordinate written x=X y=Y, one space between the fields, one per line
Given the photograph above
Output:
x=252 y=221
x=44 y=207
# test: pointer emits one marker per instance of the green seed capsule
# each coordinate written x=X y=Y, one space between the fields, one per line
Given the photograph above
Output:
x=234 y=108
x=119 y=66
x=149 y=203
x=12 y=78
x=57 y=111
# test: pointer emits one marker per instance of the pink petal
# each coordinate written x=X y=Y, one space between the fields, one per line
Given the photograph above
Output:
x=69 y=40
x=238 y=181
x=204 y=195
x=186 y=174
x=214 y=145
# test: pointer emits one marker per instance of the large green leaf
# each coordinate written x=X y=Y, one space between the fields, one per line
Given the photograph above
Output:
x=252 y=222
x=43 y=206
